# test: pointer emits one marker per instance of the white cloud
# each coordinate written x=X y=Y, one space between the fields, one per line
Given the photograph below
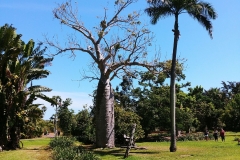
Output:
x=79 y=99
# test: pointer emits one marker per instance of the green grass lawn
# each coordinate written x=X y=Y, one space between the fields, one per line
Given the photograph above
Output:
x=37 y=149
x=33 y=149
x=195 y=150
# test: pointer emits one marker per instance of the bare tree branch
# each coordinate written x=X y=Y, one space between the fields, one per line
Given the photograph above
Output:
x=119 y=41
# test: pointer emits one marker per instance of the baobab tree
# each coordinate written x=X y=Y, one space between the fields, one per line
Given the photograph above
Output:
x=116 y=45
x=203 y=12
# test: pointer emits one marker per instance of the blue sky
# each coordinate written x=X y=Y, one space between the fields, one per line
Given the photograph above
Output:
x=209 y=61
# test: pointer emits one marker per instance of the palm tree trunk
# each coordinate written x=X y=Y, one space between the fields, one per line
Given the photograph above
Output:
x=104 y=114
x=173 y=147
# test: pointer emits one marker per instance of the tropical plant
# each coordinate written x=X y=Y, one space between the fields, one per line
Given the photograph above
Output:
x=203 y=12
x=65 y=116
x=20 y=64
x=10 y=47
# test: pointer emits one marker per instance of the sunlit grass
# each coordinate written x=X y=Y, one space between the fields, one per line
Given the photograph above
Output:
x=38 y=149
x=201 y=150
x=33 y=149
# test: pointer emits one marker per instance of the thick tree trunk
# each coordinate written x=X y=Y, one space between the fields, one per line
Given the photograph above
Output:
x=3 y=129
x=104 y=115
x=173 y=147
x=14 y=138
x=3 y=122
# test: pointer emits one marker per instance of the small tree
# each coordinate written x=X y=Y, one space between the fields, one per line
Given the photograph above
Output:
x=124 y=121
x=65 y=117
x=84 y=128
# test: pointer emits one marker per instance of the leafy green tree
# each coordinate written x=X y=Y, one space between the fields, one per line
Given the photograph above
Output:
x=231 y=91
x=153 y=97
x=231 y=116
x=203 y=12
x=124 y=97
x=207 y=107
x=31 y=118
x=124 y=121
x=84 y=126
x=65 y=116
x=46 y=125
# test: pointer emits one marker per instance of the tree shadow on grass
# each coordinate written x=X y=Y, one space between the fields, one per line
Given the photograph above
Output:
x=115 y=152
x=120 y=152
x=37 y=148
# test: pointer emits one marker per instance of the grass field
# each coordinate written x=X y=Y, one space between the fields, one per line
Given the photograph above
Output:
x=33 y=149
x=194 y=150
x=185 y=150
x=37 y=149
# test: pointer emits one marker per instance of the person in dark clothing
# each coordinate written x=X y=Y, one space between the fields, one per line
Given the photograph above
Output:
x=222 y=135
x=215 y=135
x=206 y=134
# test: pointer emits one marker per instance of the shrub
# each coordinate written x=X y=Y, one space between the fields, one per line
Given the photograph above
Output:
x=87 y=155
x=62 y=142
x=64 y=153
x=64 y=149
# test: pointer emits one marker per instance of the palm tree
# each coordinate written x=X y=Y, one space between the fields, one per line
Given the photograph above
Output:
x=57 y=102
x=203 y=12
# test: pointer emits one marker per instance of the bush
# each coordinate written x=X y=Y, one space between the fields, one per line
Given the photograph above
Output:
x=64 y=153
x=64 y=149
x=62 y=142
x=87 y=155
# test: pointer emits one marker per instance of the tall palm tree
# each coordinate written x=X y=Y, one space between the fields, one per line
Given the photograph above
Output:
x=56 y=102
x=203 y=12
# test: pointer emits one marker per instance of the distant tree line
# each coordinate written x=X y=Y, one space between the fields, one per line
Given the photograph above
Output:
x=146 y=103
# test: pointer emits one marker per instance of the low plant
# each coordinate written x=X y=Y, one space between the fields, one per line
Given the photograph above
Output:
x=64 y=148
x=62 y=142
x=87 y=155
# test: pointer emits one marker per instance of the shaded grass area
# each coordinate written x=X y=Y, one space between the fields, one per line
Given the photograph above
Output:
x=33 y=149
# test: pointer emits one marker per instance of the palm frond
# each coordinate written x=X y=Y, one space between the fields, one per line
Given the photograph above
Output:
x=159 y=9
x=38 y=88
x=203 y=12
x=46 y=98
x=209 y=11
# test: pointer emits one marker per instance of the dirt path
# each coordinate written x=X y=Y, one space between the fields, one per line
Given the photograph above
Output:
x=50 y=135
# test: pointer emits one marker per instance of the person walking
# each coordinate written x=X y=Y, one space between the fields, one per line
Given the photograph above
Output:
x=215 y=135
x=222 y=135
x=206 y=135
